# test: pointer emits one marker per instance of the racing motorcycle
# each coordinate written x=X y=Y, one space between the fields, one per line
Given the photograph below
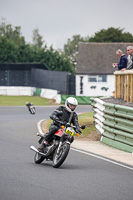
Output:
x=58 y=147
x=31 y=108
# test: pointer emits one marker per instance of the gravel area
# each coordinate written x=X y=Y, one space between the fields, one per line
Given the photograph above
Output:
x=117 y=101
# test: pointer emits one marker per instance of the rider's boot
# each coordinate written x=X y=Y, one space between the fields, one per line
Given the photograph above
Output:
x=42 y=146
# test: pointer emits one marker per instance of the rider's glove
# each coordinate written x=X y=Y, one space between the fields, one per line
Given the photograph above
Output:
x=80 y=133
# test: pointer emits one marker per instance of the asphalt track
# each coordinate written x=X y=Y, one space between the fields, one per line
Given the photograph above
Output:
x=81 y=176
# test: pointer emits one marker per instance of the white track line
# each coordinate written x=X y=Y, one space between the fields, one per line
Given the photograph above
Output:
x=39 y=127
x=102 y=158
x=87 y=153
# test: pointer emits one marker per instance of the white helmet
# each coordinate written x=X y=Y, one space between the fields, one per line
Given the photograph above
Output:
x=71 y=101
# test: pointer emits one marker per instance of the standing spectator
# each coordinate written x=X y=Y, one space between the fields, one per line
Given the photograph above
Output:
x=122 y=65
x=130 y=57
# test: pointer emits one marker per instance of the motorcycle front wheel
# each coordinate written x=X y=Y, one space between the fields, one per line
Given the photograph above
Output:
x=32 y=111
x=38 y=158
x=59 y=158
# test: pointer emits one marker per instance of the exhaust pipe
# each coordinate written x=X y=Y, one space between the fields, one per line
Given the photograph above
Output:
x=36 y=150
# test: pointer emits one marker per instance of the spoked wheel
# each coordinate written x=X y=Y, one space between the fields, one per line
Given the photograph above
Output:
x=38 y=158
x=59 y=158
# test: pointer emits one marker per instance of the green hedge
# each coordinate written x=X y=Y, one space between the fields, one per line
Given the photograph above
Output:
x=81 y=99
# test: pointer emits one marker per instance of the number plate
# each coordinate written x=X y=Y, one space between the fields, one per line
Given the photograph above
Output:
x=70 y=131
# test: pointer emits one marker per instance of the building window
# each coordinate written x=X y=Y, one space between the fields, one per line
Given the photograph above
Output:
x=97 y=78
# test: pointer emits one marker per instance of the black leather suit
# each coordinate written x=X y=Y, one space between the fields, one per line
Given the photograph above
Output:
x=61 y=114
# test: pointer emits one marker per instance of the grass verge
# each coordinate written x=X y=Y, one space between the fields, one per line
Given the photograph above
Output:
x=20 y=100
x=90 y=133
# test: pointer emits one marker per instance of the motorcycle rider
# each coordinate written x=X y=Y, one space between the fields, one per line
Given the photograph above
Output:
x=29 y=105
x=63 y=114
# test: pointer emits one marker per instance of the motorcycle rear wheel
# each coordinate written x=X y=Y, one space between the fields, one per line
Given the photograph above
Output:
x=59 y=158
x=38 y=158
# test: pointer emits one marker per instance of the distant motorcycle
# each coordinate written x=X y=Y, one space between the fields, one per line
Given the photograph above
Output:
x=31 y=108
x=59 y=146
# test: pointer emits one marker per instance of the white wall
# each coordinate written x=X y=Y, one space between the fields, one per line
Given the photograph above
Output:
x=51 y=94
x=17 y=91
x=88 y=91
x=29 y=91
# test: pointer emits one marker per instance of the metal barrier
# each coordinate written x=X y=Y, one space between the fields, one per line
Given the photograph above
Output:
x=115 y=123
x=36 y=75
x=124 y=85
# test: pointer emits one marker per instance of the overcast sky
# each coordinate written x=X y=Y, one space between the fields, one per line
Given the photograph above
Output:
x=58 y=20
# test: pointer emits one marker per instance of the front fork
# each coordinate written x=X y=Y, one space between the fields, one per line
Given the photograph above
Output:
x=60 y=143
x=64 y=138
x=40 y=140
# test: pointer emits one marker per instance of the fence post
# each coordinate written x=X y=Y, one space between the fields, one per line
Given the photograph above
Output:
x=131 y=95
x=124 y=85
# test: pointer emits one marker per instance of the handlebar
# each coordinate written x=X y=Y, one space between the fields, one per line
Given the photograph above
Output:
x=69 y=125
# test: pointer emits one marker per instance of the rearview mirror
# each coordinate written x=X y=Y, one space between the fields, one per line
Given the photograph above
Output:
x=83 y=127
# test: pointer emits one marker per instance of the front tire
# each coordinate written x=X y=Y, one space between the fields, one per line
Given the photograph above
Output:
x=32 y=111
x=38 y=158
x=59 y=158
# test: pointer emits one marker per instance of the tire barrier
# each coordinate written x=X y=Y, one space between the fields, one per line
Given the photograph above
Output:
x=115 y=123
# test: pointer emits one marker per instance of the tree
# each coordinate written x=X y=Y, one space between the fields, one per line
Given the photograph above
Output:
x=8 y=51
x=111 y=35
x=11 y=33
x=37 y=39
x=55 y=60
x=71 y=48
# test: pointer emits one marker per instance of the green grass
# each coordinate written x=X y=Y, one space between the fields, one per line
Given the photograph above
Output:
x=86 y=119
x=20 y=100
